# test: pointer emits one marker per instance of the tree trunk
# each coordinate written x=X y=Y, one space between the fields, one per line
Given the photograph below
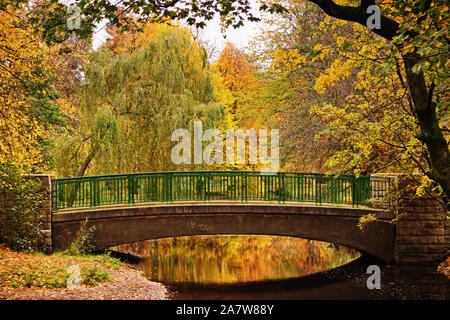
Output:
x=83 y=169
x=430 y=132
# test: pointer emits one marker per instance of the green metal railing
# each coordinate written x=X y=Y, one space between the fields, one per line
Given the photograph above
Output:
x=205 y=186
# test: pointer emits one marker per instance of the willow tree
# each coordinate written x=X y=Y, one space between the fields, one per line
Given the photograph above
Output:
x=133 y=101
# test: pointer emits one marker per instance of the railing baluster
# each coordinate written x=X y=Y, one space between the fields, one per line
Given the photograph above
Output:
x=215 y=185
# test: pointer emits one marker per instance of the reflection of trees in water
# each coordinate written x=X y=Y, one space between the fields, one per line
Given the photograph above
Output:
x=138 y=248
x=227 y=259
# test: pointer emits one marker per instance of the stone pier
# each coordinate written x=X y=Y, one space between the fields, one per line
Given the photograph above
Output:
x=46 y=226
x=423 y=229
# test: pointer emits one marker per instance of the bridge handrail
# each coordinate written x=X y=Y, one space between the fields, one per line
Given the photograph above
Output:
x=203 y=171
x=169 y=186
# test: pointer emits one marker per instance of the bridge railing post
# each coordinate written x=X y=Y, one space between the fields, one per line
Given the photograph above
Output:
x=353 y=191
x=318 y=189
x=169 y=188
x=130 y=178
x=246 y=186
x=207 y=187
x=241 y=195
x=54 y=196
x=358 y=190
x=92 y=193
x=281 y=187
x=97 y=194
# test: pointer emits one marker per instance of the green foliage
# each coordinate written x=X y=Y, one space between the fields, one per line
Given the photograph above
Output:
x=106 y=260
x=133 y=101
x=28 y=278
x=90 y=276
x=50 y=17
x=365 y=220
x=93 y=276
x=20 y=209
x=81 y=243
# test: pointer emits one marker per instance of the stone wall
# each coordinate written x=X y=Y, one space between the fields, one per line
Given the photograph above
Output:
x=422 y=230
x=46 y=226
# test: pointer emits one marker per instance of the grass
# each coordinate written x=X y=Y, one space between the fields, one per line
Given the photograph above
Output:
x=36 y=270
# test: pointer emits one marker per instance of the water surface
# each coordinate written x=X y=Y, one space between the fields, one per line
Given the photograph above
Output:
x=269 y=267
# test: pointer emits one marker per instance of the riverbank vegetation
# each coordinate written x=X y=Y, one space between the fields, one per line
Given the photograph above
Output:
x=35 y=270
x=21 y=217
x=35 y=276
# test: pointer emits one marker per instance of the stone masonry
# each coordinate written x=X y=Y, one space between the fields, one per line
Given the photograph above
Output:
x=422 y=230
x=46 y=226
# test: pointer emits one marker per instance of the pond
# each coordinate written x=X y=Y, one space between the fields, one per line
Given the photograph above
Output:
x=272 y=267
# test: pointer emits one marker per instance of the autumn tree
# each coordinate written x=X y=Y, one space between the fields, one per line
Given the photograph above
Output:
x=326 y=91
x=236 y=85
x=134 y=99
x=415 y=32
x=28 y=109
x=287 y=77
x=381 y=120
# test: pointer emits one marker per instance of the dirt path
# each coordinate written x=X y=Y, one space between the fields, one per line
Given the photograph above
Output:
x=128 y=284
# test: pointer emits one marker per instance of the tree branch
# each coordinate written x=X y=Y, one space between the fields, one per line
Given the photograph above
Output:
x=359 y=15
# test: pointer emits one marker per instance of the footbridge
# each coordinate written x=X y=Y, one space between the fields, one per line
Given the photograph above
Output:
x=126 y=208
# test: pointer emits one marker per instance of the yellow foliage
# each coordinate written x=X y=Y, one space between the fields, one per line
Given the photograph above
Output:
x=339 y=70
x=23 y=59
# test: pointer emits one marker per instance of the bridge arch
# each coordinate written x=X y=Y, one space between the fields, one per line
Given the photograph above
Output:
x=338 y=225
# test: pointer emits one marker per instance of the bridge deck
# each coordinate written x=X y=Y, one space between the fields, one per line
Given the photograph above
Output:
x=202 y=203
x=359 y=210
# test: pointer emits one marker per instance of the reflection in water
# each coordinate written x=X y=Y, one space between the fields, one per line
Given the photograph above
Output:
x=347 y=282
x=236 y=259
x=266 y=267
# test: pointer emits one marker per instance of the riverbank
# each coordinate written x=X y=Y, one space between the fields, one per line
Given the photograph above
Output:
x=26 y=276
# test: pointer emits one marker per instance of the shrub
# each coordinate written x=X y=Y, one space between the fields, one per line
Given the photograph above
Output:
x=366 y=220
x=92 y=276
x=81 y=243
x=21 y=213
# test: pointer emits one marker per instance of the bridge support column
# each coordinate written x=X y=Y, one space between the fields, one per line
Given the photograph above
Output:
x=46 y=243
x=422 y=229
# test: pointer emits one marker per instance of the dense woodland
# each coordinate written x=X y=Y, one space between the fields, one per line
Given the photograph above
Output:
x=346 y=99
